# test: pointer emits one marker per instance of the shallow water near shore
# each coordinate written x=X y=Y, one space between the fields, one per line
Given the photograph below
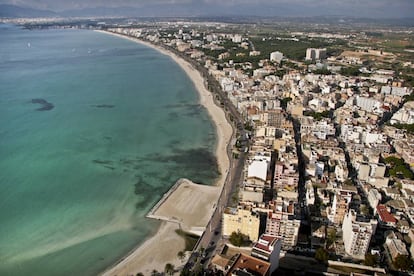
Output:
x=93 y=130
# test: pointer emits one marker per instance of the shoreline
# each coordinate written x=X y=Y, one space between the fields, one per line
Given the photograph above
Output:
x=140 y=259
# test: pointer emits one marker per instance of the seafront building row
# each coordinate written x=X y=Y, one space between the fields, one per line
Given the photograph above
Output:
x=324 y=154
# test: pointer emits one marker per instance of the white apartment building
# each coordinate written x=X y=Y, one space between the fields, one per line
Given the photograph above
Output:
x=367 y=104
x=370 y=171
x=258 y=167
x=268 y=248
x=372 y=138
x=284 y=225
x=276 y=56
x=320 y=129
x=351 y=133
x=407 y=184
x=405 y=115
x=339 y=208
x=281 y=222
x=285 y=175
x=310 y=193
x=227 y=84
x=341 y=172
x=374 y=197
x=357 y=235
x=237 y=38
x=315 y=54
x=397 y=91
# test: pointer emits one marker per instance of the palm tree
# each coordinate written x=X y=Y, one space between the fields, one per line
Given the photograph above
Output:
x=154 y=272
x=181 y=255
x=169 y=269
x=139 y=274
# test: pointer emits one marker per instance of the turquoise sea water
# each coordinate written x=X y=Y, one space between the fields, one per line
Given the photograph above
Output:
x=115 y=124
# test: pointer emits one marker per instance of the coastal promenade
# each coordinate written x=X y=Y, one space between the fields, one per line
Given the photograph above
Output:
x=186 y=206
x=210 y=236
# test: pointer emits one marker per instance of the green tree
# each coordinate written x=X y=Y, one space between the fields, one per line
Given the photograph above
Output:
x=399 y=168
x=181 y=255
x=169 y=269
x=154 y=272
x=350 y=71
x=321 y=255
x=322 y=71
x=355 y=114
x=318 y=115
x=139 y=274
x=408 y=127
x=185 y=272
x=402 y=262
x=398 y=185
x=331 y=238
x=284 y=102
x=248 y=126
x=237 y=239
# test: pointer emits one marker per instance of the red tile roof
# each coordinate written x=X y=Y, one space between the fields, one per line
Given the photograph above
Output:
x=262 y=247
x=265 y=241
x=268 y=238
x=250 y=264
x=384 y=215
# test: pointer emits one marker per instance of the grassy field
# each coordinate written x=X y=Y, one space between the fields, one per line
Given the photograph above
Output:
x=190 y=239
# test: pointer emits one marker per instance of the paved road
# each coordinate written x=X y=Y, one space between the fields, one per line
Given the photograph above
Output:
x=212 y=234
x=301 y=169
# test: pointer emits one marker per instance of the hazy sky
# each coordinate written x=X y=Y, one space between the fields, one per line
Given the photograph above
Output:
x=357 y=8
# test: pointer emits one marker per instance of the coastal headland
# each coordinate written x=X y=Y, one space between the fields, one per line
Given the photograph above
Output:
x=186 y=205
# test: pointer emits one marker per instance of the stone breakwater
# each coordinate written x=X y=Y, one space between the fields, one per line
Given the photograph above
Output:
x=151 y=213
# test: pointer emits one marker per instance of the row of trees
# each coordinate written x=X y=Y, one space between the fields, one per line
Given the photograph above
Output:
x=408 y=127
x=169 y=269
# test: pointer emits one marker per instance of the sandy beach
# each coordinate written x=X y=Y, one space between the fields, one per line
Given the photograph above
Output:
x=190 y=205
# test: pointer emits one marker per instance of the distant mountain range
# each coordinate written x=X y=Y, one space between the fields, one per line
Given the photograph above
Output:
x=12 y=11
x=151 y=10
x=247 y=11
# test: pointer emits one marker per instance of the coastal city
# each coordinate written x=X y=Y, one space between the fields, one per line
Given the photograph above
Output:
x=320 y=144
x=328 y=150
